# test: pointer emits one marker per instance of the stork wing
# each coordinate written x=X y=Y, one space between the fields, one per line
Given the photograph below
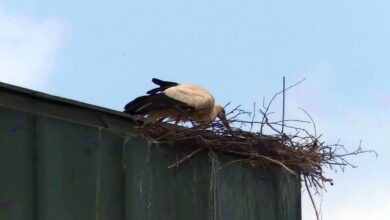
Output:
x=145 y=104
x=163 y=86
x=192 y=95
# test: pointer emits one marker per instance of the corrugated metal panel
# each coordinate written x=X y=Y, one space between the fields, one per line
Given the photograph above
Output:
x=63 y=160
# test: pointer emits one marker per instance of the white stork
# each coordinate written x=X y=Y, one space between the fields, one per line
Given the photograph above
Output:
x=180 y=102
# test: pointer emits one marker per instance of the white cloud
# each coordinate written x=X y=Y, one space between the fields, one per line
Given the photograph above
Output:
x=360 y=214
x=367 y=203
x=28 y=48
x=360 y=193
x=370 y=204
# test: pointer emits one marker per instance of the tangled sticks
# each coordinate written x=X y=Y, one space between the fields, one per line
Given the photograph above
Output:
x=302 y=153
x=304 y=156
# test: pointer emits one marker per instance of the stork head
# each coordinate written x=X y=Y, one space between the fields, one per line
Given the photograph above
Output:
x=222 y=115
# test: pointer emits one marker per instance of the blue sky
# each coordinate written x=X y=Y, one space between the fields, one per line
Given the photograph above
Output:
x=106 y=52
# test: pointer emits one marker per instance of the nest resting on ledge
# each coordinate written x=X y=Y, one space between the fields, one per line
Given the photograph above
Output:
x=304 y=156
x=300 y=152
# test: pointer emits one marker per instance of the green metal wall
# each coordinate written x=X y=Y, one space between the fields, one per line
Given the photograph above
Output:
x=62 y=160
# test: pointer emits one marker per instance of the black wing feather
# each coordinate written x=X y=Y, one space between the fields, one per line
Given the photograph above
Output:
x=155 y=102
x=163 y=86
x=163 y=83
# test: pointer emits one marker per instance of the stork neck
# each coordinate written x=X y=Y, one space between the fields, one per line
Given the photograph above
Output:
x=213 y=114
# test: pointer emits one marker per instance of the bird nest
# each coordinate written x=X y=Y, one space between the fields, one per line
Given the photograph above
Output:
x=295 y=149
x=302 y=154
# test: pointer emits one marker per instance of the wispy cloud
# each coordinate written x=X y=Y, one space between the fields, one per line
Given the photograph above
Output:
x=361 y=193
x=373 y=205
x=386 y=103
x=28 y=48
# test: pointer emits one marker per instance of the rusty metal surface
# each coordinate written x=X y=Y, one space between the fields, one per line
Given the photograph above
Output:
x=56 y=162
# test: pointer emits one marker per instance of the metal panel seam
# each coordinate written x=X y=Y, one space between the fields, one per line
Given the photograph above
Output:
x=35 y=199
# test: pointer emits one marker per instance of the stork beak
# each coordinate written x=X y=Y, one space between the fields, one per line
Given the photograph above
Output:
x=225 y=122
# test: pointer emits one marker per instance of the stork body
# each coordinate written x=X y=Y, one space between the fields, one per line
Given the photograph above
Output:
x=180 y=102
